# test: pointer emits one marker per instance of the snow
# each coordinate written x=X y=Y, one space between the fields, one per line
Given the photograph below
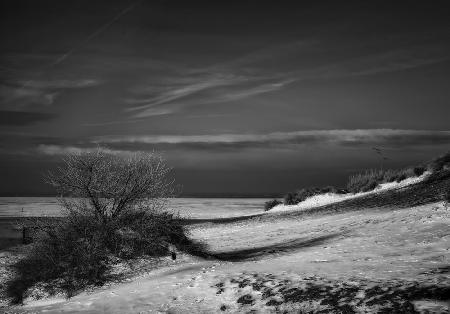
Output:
x=391 y=247
x=330 y=198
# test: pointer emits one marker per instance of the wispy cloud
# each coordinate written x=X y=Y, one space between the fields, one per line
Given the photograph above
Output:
x=247 y=76
x=25 y=143
x=57 y=84
x=364 y=138
x=170 y=89
x=207 y=89
x=152 y=97
x=390 y=137
x=241 y=92
x=53 y=150
x=386 y=62
x=227 y=81
x=17 y=97
x=20 y=93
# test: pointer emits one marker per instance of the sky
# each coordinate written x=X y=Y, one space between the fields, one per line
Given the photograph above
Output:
x=242 y=98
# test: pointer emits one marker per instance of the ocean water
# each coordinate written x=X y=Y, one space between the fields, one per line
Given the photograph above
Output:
x=185 y=207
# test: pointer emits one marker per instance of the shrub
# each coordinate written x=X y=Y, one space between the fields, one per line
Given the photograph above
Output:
x=446 y=197
x=303 y=194
x=271 y=204
x=439 y=163
x=401 y=177
x=328 y=189
x=289 y=199
x=299 y=196
x=61 y=254
x=116 y=210
x=418 y=171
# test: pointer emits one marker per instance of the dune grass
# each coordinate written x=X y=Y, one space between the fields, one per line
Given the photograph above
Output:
x=368 y=180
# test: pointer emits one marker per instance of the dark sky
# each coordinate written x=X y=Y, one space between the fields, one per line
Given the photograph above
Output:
x=242 y=97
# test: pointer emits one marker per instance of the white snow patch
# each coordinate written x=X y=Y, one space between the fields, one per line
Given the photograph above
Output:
x=330 y=198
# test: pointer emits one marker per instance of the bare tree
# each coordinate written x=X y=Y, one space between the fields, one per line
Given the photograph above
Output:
x=109 y=185
x=115 y=210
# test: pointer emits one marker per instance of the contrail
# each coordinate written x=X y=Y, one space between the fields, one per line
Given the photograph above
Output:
x=97 y=32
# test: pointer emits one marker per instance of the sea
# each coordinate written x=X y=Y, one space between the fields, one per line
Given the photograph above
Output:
x=186 y=207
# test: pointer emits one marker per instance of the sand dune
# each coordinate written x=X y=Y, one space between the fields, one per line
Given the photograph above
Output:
x=385 y=252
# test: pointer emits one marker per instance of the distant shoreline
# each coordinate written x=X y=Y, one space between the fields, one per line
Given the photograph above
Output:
x=182 y=196
x=11 y=234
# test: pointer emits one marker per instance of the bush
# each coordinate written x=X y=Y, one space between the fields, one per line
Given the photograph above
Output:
x=303 y=194
x=61 y=254
x=116 y=211
x=328 y=189
x=418 y=171
x=289 y=199
x=440 y=163
x=401 y=177
x=271 y=204
x=446 y=197
x=299 y=196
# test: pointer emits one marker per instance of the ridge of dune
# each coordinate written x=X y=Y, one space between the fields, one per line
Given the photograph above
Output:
x=332 y=198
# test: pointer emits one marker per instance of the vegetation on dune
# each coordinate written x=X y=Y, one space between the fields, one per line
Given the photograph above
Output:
x=271 y=204
x=440 y=163
x=296 y=197
x=368 y=180
x=115 y=210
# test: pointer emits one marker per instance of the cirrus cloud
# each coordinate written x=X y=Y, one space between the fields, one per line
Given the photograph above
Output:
x=385 y=137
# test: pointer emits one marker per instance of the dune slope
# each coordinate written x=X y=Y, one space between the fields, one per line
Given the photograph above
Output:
x=389 y=254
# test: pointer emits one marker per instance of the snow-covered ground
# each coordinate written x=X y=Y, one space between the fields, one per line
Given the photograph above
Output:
x=270 y=265
x=329 y=198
